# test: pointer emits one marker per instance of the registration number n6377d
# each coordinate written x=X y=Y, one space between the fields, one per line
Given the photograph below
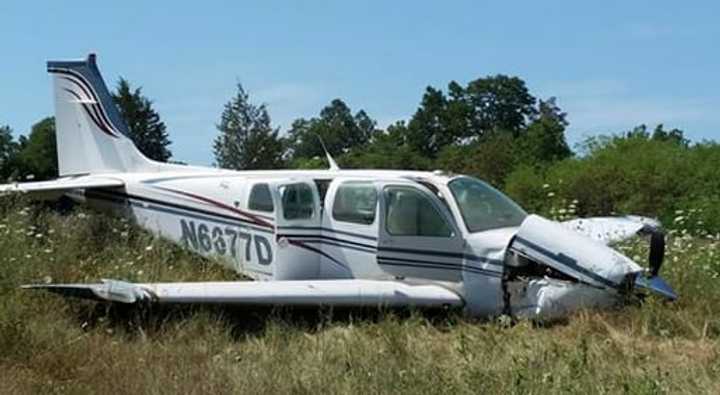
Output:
x=226 y=241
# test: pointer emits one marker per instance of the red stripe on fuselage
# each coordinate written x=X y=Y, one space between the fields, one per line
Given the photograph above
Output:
x=257 y=220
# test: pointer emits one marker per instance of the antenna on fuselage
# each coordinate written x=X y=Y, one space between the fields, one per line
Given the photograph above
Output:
x=331 y=161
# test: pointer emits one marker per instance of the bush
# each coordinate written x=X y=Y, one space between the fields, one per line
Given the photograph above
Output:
x=629 y=175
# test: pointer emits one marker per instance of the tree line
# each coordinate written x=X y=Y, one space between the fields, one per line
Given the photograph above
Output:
x=487 y=127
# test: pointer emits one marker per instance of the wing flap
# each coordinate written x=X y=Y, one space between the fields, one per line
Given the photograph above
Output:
x=345 y=293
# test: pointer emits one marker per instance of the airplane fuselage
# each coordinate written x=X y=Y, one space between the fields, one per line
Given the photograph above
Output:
x=288 y=225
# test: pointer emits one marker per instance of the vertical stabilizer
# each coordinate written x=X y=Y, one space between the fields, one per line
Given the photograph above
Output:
x=91 y=133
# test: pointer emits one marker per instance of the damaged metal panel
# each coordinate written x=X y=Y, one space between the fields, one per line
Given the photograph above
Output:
x=571 y=253
x=548 y=298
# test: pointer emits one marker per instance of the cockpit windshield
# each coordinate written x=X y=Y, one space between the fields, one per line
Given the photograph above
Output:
x=484 y=207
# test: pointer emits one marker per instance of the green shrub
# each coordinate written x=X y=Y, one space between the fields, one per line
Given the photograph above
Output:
x=629 y=175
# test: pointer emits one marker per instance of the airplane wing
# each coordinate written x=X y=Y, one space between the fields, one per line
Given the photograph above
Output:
x=345 y=293
x=609 y=230
x=55 y=188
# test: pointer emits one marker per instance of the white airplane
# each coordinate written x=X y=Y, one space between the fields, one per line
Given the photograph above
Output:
x=336 y=237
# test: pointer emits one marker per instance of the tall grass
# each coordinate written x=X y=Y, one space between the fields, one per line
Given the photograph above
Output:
x=52 y=345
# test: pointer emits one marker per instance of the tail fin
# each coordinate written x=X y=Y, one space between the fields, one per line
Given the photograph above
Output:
x=91 y=133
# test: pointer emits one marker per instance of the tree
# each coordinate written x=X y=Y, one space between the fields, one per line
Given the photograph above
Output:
x=544 y=139
x=490 y=105
x=247 y=140
x=496 y=103
x=146 y=129
x=387 y=150
x=8 y=152
x=491 y=159
x=675 y=135
x=339 y=129
x=429 y=130
x=38 y=153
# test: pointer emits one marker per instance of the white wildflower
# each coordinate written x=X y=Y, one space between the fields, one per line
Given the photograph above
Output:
x=149 y=248
x=551 y=194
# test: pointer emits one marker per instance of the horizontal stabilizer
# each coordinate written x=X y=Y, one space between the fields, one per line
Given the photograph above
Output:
x=54 y=188
x=345 y=293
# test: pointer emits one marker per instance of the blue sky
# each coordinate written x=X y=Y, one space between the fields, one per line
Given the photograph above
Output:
x=612 y=65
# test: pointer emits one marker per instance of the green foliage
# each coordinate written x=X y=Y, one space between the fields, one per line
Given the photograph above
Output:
x=387 y=150
x=37 y=157
x=495 y=103
x=543 y=142
x=247 y=140
x=431 y=128
x=8 y=152
x=146 y=129
x=490 y=159
x=634 y=173
x=339 y=129
x=487 y=106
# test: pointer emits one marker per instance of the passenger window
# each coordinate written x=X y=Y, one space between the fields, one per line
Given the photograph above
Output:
x=410 y=213
x=298 y=201
x=260 y=198
x=355 y=202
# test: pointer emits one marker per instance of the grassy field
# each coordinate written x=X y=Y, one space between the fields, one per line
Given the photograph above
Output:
x=52 y=345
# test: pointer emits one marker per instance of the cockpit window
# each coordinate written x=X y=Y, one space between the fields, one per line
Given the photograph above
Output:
x=484 y=207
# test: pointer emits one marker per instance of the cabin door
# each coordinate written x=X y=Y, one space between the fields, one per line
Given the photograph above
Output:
x=418 y=237
x=350 y=226
x=298 y=219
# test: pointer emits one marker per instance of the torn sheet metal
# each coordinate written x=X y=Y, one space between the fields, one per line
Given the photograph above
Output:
x=571 y=253
x=547 y=298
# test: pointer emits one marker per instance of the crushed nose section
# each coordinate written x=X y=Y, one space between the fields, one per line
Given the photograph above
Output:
x=572 y=254
x=552 y=269
x=550 y=298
